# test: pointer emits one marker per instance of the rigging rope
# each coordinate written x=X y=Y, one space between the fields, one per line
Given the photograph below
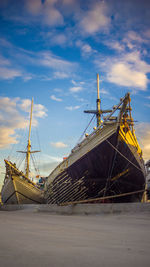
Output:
x=123 y=155
x=86 y=129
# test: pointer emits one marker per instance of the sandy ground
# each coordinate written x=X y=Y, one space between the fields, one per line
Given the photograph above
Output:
x=41 y=239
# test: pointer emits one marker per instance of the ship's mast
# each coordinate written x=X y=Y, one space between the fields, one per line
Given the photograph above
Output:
x=28 y=152
x=98 y=115
x=98 y=111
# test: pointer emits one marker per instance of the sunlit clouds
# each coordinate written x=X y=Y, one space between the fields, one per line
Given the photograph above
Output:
x=95 y=19
x=58 y=144
x=143 y=133
x=53 y=97
x=12 y=119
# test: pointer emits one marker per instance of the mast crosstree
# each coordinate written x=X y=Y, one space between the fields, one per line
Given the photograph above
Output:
x=98 y=111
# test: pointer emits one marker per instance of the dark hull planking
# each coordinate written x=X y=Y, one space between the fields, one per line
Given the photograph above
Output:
x=96 y=174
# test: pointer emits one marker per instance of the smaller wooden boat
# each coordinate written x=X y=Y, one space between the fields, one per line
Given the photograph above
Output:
x=18 y=188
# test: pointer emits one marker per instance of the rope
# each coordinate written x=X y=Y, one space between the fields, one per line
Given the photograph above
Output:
x=86 y=129
x=123 y=156
x=102 y=198
x=23 y=196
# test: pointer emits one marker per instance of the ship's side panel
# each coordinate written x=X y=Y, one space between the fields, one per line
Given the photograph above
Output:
x=26 y=192
x=8 y=192
x=127 y=174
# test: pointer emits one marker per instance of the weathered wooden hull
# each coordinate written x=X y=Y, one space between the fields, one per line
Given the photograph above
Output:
x=103 y=165
x=19 y=191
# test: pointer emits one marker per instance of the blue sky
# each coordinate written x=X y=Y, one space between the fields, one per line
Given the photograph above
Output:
x=51 y=50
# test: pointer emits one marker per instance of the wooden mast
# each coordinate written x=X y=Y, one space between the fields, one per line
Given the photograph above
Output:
x=98 y=115
x=98 y=110
x=28 y=152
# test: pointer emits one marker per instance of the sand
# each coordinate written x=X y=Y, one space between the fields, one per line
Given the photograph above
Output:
x=41 y=239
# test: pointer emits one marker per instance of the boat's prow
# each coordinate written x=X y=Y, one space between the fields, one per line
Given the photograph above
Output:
x=18 y=189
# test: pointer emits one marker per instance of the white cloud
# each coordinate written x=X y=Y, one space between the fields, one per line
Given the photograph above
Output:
x=52 y=16
x=104 y=92
x=4 y=61
x=39 y=110
x=59 y=145
x=49 y=60
x=61 y=75
x=59 y=39
x=86 y=49
x=115 y=45
x=143 y=134
x=95 y=19
x=75 y=89
x=124 y=74
x=53 y=97
x=11 y=119
x=127 y=69
x=46 y=11
x=34 y=6
x=72 y=107
x=8 y=73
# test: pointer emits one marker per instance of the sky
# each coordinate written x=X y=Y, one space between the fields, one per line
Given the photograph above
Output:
x=51 y=50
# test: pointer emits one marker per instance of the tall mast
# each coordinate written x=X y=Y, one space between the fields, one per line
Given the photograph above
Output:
x=28 y=152
x=98 y=115
x=98 y=111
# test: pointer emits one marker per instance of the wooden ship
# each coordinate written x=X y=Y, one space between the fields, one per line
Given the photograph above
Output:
x=107 y=166
x=18 y=188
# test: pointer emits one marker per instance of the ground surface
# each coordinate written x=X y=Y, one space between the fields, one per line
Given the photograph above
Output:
x=41 y=239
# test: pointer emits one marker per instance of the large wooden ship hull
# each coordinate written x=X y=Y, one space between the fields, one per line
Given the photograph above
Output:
x=107 y=166
x=18 y=191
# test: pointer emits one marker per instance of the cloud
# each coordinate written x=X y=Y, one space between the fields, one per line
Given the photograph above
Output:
x=7 y=66
x=60 y=75
x=39 y=110
x=72 y=108
x=46 y=11
x=59 y=145
x=75 y=89
x=115 y=45
x=4 y=61
x=53 y=97
x=49 y=60
x=104 y=92
x=143 y=134
x=59 y=39
x=8 y=126
x=126 y=69
x=124 y=74
x=86 y=49
x=6 y=71
x=48 y=163
x=11 y=118
x=95 y=19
